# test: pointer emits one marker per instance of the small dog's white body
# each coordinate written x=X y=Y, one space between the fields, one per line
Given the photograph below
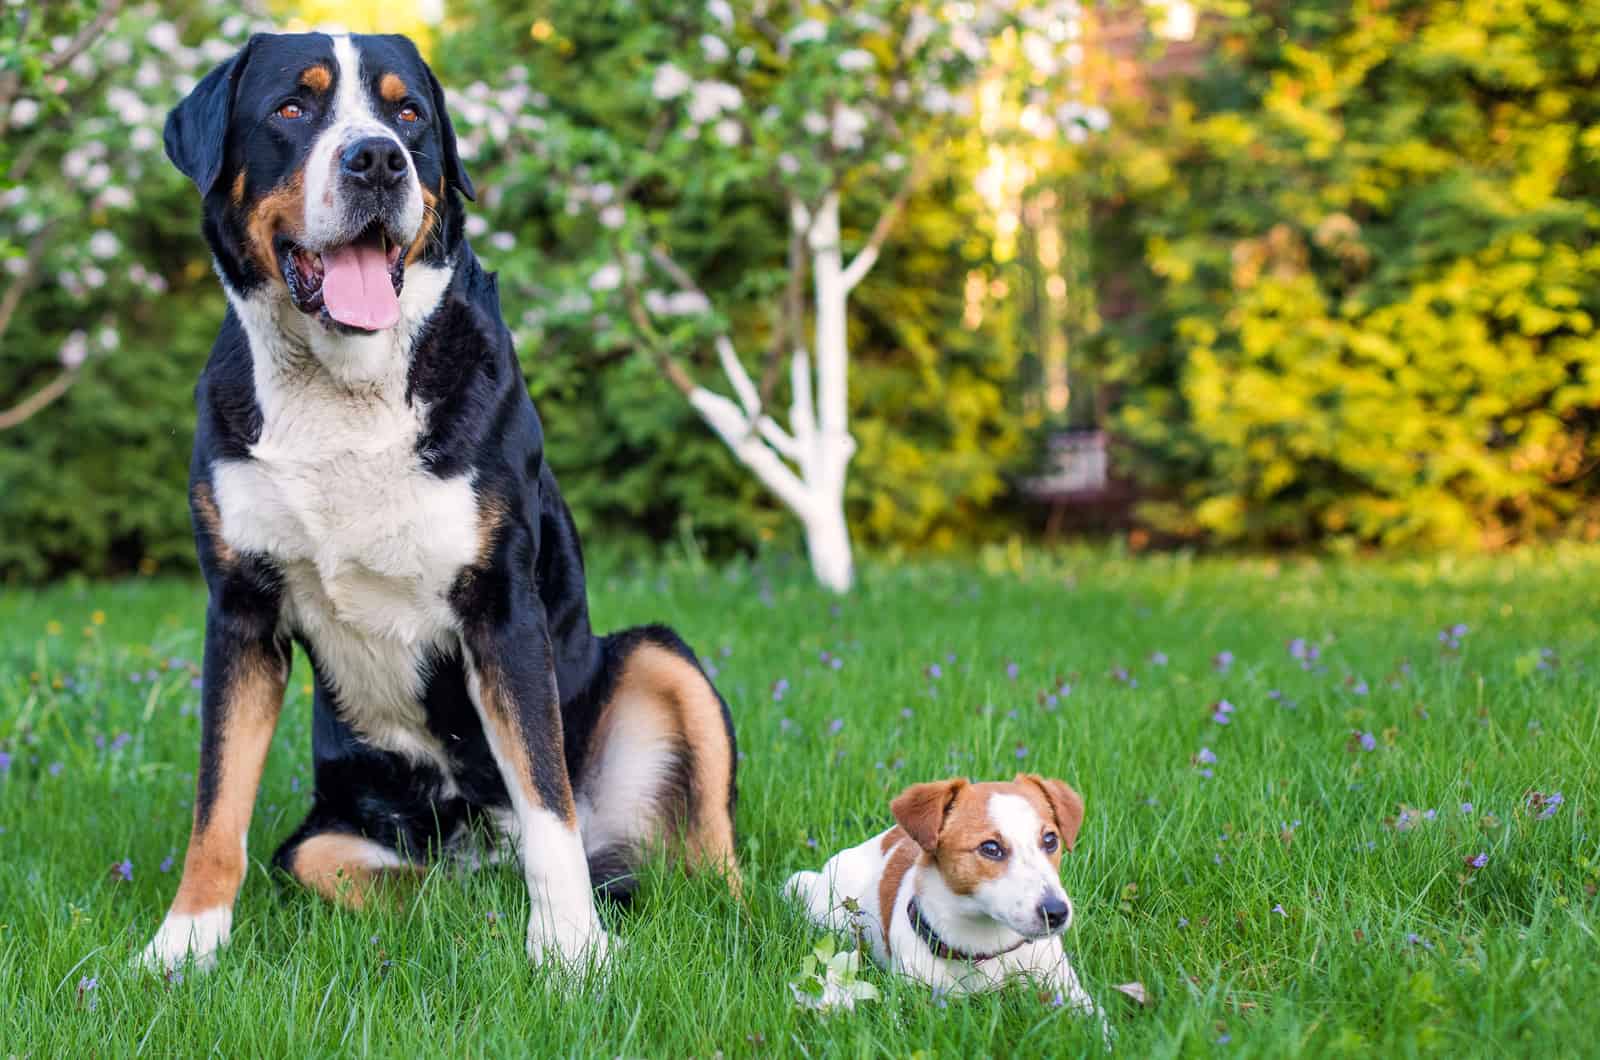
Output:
x=983 y=919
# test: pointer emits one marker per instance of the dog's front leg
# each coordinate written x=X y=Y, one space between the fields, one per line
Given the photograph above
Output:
x=512 y=681
x=246 y=665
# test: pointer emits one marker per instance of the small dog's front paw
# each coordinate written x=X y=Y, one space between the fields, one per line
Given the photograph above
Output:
x=187 y=938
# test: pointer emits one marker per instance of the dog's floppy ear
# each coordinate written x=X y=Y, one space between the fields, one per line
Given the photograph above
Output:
x=197 y=129
x=454 y=171
x=1066 y=804
x=920 y=809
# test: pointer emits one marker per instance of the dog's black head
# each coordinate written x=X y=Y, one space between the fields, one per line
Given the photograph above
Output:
x=328 y=164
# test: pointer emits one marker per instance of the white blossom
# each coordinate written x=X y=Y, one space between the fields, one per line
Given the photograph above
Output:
x=503 y=241
x=163 y=37
x=746 y=55
x=116 y=197
x=710 y=98
x=613 y=216
x=104 y=244
x=806 y=32
x=24 y=112
x=716 y=49
x=118 y=52
x=855 y=60
x=74 y=350
x=848 y=125
x=728 y=132
x=94 y=276
x=721 y=11
x=476 y=226
x=142 y=139
x=669 y=82
x=606 y=278
x=814 y=123
x=108 y=338
x=148 y=75
x=788 y=165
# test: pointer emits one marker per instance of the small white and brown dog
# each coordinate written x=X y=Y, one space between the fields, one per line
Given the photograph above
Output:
x=964 y=893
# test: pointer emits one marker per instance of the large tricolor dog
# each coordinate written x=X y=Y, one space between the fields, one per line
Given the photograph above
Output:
x=964 y=892
x=369 y=483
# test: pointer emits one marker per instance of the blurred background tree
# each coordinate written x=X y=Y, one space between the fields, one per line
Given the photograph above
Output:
x=1353 y=265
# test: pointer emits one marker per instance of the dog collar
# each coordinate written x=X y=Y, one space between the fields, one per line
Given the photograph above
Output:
x=942 y=949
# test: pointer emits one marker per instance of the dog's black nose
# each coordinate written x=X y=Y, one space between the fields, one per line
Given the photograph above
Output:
x=1054 y=912
x=376 y=162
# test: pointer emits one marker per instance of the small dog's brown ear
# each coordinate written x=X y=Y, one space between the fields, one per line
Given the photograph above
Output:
x=1066 y=804
x=920 y=809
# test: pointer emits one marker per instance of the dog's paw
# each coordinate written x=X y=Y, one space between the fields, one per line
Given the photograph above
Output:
x=577 y=946
x=183 y=938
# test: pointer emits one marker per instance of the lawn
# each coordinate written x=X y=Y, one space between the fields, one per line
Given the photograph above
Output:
x=1308 y=891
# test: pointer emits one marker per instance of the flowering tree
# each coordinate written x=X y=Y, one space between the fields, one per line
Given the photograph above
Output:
x=84 y=90
x=831 y=114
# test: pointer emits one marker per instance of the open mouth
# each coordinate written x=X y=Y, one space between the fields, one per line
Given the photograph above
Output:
x=355 y=285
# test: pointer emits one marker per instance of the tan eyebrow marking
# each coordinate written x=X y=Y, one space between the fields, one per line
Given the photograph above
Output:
x=317 y=78
x=392 y=88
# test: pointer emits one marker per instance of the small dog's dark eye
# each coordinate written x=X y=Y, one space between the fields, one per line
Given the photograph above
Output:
x=1049 y=842
x=992 y=850
x=408 y=114
x=291 y=112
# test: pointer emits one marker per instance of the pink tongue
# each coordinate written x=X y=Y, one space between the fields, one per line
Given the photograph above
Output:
x=356 y=287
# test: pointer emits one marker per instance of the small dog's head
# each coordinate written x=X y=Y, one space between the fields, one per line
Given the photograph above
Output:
x=998 y=846
x=328 y=164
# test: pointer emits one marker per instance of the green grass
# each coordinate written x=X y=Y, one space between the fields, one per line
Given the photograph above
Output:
x=1386 y=943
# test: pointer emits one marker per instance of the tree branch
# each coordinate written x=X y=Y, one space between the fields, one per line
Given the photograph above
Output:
x=867 y=257
x=86 y=37
x=36 y=402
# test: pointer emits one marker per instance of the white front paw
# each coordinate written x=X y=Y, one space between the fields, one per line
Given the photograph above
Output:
x=183 y=937
x=574 y=942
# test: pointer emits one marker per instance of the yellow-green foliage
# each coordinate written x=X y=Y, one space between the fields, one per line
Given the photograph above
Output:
x=1363 y=243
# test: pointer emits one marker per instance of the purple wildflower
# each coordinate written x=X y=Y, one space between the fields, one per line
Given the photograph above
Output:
x=123 y=870
x=1547 y=805
x=835 y=725
x=56 y=768
x=1224 y=1038
x=194 y=683
x=122 y=740
x=1183 y=922
x=811 y=841
x=5 y=762
x=1414 y=939
x=906 y=712
x=294 y=783
x=1220 y=711
x=935 y=671
x=836 y=663
x=86 y=988
x=1368 y=742
x=100 y=742
x=1466 y=807
x=1022 y=751
x=1477 y=861
x=1012 y=669
x=166 y=864
x=1279 y=910
x=779 y=687
x=1222 y=661
x=1360 y=687
x=1158 y=658
x=1206 y=756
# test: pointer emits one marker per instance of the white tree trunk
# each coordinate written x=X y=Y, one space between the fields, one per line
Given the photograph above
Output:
x=805 y=465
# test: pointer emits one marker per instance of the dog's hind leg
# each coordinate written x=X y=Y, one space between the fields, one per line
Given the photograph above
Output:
x=659 y=766
x=345 y=868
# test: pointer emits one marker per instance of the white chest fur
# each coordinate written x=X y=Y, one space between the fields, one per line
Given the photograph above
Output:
x=368 y=540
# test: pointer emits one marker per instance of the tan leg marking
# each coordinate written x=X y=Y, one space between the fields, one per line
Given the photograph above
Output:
x=347 y=869
x=658 y=680
x=215 y=864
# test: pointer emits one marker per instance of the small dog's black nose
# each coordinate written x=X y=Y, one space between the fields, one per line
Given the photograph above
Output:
x=376 y=162
x=1054 y=912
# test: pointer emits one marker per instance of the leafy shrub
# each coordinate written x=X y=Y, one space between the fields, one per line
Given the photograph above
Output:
x=1362 y=250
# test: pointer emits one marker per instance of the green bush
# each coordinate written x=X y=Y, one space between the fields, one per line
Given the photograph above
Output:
x=1362 y=247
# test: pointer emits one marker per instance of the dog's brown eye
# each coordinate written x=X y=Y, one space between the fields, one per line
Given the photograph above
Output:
x=408 y=114
x=291 y=111
x=992 y=850
x=1049 y=842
